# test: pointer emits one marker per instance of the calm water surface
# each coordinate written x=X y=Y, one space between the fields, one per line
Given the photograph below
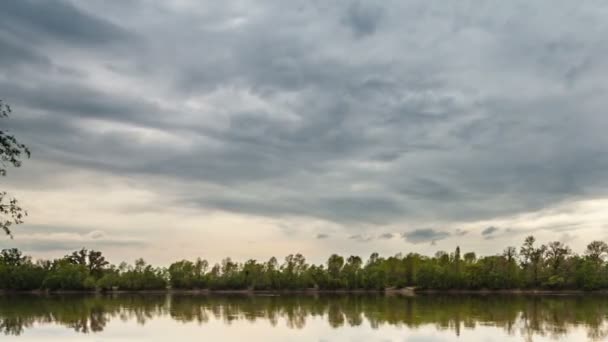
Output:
x=303 y=318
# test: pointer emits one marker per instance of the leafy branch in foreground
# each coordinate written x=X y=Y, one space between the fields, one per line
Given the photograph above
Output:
x=11 y=212
x=11 y=154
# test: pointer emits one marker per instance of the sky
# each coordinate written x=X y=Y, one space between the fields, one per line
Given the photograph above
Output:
x=178 y=129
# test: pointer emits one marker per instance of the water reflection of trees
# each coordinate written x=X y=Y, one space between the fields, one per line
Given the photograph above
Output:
x=84 y=314
x=529 y=316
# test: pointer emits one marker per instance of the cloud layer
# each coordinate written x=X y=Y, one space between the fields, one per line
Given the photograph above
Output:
x=363 y=116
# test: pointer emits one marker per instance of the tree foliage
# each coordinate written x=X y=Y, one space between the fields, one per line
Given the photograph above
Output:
x=551 y=266
x=12 y=153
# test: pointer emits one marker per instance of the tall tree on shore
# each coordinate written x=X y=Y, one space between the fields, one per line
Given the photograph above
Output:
x=596 y=251
x=532 y=259
x=11 y=154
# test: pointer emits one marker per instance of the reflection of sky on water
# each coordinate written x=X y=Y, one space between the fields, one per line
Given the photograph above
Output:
x=141 y=318
x=317 y=329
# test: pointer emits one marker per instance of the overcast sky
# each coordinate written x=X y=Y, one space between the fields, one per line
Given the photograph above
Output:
x=179 y=129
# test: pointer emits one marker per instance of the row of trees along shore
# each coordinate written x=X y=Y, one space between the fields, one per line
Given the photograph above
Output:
x=553 y=266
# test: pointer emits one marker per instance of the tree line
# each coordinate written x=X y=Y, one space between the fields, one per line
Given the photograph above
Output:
x=552 y=266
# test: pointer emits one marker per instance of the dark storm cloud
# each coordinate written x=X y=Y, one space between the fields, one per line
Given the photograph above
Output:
x=40 y=20
x=14 y=54
x=84 y=103
x=361 y=114
x=425 y=235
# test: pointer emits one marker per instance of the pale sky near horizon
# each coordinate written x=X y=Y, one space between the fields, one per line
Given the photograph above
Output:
x=177 y=129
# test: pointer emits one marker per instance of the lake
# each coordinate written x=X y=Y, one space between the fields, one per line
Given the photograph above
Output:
x=149 y=317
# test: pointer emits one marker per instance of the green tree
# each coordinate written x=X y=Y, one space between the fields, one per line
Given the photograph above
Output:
x=352 y=272
x=470 y=257
x=552 y=267
x=94 y=261
x=182 y=275
x=335 y=263
x=596 y=251
x=512 y=271
x=556 y=258
x=556 y=255
x=532 y=260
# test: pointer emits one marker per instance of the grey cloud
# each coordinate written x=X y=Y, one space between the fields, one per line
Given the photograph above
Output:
x=345 y=209
x=489 y=232
x=15 y=54
x=363 y=17
x=49 y=238
x=386 y=236
x=460 y=232
x=66 y=241
x=84 y=103
x=33 y=20
x=430 y=189
x=566 y=227
x=425 y=235
x=322 y=236
x=361 y=238
x=63 y=246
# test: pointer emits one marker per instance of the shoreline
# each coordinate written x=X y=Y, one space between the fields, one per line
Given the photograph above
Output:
x=389 y=291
